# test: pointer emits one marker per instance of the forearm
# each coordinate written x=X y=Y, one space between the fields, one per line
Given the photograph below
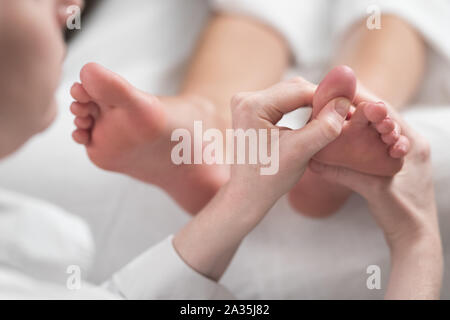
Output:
x=235 y=54
x=208 y=243
x=389 y=62
x=416 y=270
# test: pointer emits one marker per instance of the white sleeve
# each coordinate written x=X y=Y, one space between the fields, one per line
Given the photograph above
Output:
x=431 y=18
x=292 y=19
x=160 y=274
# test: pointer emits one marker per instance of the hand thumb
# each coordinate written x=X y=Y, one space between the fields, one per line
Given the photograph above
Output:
x=356 y=181
x=325 y=128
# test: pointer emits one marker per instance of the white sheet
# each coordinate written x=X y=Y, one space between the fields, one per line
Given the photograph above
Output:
x=287 y=256
x=42 y=240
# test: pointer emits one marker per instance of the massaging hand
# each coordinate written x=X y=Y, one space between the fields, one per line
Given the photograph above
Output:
x=291 y=152
x=209 y=241
x=404 y=207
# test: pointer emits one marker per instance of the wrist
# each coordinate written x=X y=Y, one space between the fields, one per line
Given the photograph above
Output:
x=404 y=220
x=423 y=241
x=245 y=200
x=416 y=269
x=259 y=196
x=208 y=242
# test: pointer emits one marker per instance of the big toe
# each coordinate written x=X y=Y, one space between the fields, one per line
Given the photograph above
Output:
x=105 y=86
x=339 y=82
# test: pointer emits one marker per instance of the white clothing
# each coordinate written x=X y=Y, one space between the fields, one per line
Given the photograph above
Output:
x=40 y=244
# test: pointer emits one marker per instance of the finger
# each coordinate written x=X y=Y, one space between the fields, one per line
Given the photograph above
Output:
x=356 y=181
x=324 y=129
x=285 y=97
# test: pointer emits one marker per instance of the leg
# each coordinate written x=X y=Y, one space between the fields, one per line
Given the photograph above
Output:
x=236 y=54
x=383 y=59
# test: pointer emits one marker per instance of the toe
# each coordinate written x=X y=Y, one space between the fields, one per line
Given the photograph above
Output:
x=401 y=148
x=79 y=109
x=391 y=137
x=386 y=126
x=359 y=116
x=84 y=123
x=81 y=136
x=376 y=112
x=84 y=109
x=78 y=93
x=339 y=82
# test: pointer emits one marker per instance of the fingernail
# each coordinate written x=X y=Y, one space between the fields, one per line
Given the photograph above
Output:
x=342 y=106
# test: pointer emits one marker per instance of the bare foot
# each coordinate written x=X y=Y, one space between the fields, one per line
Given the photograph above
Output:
x=370 y=142
x=128 y=131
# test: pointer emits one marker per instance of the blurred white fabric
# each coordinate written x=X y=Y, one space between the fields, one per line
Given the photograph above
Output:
x=16 y=285
x=287 y=256
x=41 y=240
x=44 y=249
x=314 y=30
